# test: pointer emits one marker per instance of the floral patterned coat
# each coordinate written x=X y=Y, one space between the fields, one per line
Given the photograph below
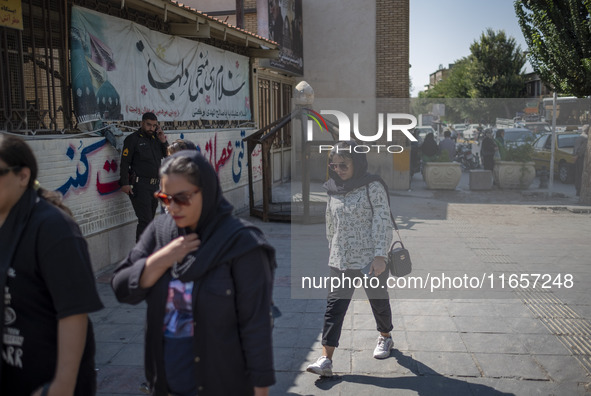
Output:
x=355 y=233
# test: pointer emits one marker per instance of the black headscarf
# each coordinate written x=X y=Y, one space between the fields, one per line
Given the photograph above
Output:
x=223 y=236
x=429 y=146
x=335 y=185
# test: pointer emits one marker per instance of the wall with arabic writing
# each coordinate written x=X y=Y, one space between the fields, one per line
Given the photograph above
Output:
x=86 y=172
x=121 y=69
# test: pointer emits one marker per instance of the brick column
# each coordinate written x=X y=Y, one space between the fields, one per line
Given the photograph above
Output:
x=392 y=81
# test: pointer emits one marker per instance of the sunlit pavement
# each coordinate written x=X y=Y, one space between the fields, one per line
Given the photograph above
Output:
x=512 y=340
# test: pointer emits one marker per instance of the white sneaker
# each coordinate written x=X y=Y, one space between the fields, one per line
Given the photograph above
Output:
x=385 y=344
x=322 y=366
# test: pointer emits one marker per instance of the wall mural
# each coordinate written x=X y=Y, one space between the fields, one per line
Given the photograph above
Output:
x=86 y=172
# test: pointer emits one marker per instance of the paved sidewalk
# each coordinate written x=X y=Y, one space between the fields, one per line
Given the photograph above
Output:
x=514 y=340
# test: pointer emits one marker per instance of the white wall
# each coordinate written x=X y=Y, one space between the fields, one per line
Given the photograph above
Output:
x=86 y=170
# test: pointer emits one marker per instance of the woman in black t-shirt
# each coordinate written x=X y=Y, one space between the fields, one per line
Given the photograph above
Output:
x=48 y=286
x=207 y=279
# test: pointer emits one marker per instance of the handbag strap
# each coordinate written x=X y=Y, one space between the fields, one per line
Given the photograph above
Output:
x=389 y=209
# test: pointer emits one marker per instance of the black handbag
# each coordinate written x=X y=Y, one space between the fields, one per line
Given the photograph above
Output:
x=399 y=260
x=399 y=263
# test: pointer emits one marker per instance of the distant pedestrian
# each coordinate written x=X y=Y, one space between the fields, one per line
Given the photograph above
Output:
x=142 y=155
x=359 y=233
x=488 y=148
x=580 y=150
x=429 y=148
x=47 y=283
x=180 y=145
x=447 y=144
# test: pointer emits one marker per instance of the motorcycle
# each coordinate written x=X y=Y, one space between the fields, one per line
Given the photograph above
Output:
x=466 y=158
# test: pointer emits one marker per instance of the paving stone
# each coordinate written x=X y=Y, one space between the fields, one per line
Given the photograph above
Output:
x=493 y=343
x=435 y=341
x=123 y=333
x=130 y=355
x=446 y=363
x=480 y=324
x=543 y=344
x=120 y=380
x=429 y=323
x=498 y=365
x=563 y=368
x=422 y=308
x=105 y=351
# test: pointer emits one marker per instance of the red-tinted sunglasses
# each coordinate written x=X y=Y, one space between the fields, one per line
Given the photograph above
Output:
x=340 y=165
x=181 y=199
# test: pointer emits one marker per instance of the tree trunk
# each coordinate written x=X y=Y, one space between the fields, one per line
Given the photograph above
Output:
x=585 y=197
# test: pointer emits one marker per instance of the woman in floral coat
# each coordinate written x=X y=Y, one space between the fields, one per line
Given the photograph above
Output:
x=359 y=232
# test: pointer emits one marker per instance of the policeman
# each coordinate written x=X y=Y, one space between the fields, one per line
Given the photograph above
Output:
x=142 y=154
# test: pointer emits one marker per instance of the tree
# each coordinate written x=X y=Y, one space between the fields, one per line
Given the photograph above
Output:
x=494 y=69
x=497 y=65
x=558 y=34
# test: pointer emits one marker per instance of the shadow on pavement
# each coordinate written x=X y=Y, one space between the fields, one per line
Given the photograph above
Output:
x=424 y=384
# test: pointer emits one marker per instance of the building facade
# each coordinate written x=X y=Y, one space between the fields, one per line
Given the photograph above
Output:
x=79 y=73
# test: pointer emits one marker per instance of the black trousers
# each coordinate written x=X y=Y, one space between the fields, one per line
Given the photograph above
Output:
x=144 y=205
x=488 y=162
x=338 y=302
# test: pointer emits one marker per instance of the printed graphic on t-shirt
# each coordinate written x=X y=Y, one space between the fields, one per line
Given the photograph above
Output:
x=12 y=341
x=178 y=319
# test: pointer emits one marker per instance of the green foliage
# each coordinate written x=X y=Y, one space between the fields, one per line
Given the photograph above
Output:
x=442 y=157
x=492 y=70
x=456 y=85
x=496 y=69
x=558 y=34
x=520 y=153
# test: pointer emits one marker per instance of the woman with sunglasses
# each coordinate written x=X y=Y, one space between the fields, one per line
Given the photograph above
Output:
x=206 y=277
x=47 y=284
x=359 y=232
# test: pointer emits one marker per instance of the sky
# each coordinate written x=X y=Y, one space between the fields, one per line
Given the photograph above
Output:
x=441 y=32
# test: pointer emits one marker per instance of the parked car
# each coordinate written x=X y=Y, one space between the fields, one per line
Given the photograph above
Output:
x=518 y=136
x=564 y=159
x=459 y=128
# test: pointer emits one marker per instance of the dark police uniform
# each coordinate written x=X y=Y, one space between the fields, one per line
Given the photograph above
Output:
x=140 y=161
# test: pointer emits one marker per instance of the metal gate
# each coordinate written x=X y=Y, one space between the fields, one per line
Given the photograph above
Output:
x=34 y=91
x=274 y=102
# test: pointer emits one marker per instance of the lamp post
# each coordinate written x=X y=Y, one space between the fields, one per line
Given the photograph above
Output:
x=553 y=142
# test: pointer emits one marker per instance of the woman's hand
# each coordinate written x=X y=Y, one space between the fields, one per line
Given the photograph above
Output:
x=378 y=265
x=161 y=260
x=178 y=248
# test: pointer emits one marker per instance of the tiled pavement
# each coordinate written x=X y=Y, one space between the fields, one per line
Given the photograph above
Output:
x=520 y=341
